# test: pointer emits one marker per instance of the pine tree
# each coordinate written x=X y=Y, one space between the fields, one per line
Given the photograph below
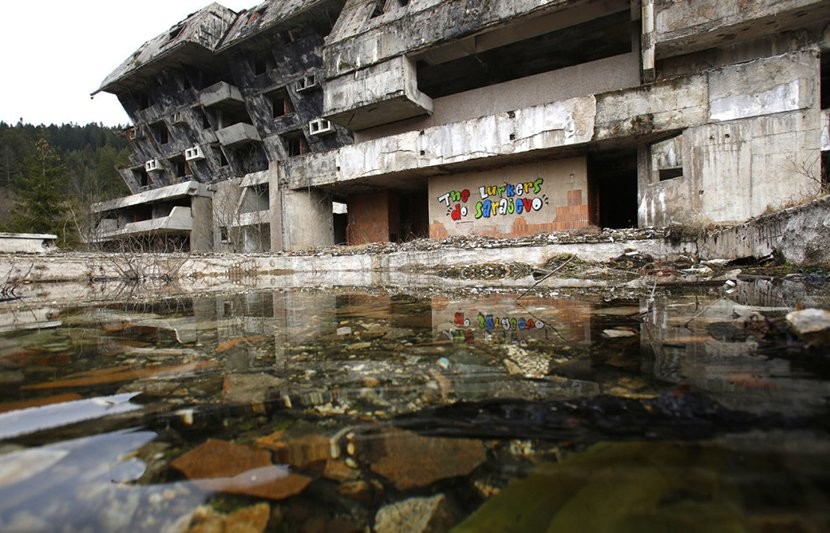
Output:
x=40 y=203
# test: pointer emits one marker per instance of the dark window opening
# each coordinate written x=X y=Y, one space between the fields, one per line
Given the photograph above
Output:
x=378 y=9
x=230 y=113
x=612 y=189
x=220 y=155
x=670 y=173
x=141 y=177
x=825 y=172
x=280 y=103
x=160 y=132
x=341 y=221
x=413 y=216
x=825 y=80
x=261 y=64
x=182 y=167
x=204 y=118
x=224 y=237
x=296 y=144
x=600 y=38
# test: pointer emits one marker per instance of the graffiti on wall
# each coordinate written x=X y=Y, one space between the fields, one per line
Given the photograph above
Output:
x=495 y=200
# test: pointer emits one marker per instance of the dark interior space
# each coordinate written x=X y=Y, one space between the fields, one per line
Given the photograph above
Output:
x=413 y=213
x=612 y=183
x=604 y=37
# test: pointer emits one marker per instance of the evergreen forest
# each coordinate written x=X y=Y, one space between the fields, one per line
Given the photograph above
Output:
x=50 y=175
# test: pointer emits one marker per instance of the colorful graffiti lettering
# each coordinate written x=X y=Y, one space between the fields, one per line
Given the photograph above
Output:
x=496 y=200
x=463 y=327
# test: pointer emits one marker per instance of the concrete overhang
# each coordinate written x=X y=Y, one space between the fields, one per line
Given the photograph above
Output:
x=191 y=41
x=239 y=133
x=683 y=27
x=180 y=220
x=273 y=16
x=219 y=93
x=381 y=94
x=179 y=190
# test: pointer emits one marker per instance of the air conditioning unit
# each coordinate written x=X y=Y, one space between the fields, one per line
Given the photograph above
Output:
x=180 y=117
x=194 y=154
x=153 y=165
x=306 y=83
x=320 y=126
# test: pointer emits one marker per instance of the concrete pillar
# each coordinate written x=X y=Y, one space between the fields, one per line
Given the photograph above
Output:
x=307 y=220
x=201 y=236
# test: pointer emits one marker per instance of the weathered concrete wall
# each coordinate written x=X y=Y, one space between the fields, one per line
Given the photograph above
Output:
x=511 y=201
x=755 y=135
x=307 y=219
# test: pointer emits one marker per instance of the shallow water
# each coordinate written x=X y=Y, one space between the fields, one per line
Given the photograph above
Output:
x=338 y=409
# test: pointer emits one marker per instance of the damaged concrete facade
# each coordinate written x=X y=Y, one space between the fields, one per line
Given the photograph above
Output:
x=430 y=118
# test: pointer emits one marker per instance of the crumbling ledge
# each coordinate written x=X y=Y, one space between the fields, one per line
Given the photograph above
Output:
x=799 y=235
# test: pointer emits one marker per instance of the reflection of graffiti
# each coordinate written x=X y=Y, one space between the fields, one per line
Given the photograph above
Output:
x=490 y=323
x=496 y=200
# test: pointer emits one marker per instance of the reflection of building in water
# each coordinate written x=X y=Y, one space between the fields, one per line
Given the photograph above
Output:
x=296 y=124
x=714 y=345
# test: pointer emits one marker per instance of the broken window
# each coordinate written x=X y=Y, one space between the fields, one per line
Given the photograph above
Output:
x=224 y=237
x=160 y=132
x=295 y=144
x=280 y=103
x=667 y=159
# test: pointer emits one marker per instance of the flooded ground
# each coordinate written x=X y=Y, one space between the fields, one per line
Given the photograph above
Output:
x=340 y=410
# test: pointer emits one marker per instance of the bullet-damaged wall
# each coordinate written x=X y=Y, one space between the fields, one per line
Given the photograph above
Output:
x=512 y=201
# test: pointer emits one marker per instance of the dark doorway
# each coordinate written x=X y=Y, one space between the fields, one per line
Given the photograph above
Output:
x=612 y=183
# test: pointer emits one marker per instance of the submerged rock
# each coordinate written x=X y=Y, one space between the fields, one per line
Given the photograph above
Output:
x=409 y=460
x=811 y=324
x=415 y=515
x=227 y=467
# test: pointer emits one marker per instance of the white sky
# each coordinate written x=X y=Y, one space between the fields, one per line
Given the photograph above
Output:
x=54 y=53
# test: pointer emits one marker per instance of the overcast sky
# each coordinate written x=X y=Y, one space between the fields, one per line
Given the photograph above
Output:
x=54 y=53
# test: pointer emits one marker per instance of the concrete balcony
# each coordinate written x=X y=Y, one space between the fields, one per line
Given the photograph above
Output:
x=239 y=133
x=220 y=93
x=381 y=94
x=253 y=218
x=179 y=220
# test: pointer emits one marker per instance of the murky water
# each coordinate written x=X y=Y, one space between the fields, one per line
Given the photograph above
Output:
x=337 y=410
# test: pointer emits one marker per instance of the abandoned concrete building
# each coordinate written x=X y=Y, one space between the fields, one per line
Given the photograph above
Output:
x=303 y=123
